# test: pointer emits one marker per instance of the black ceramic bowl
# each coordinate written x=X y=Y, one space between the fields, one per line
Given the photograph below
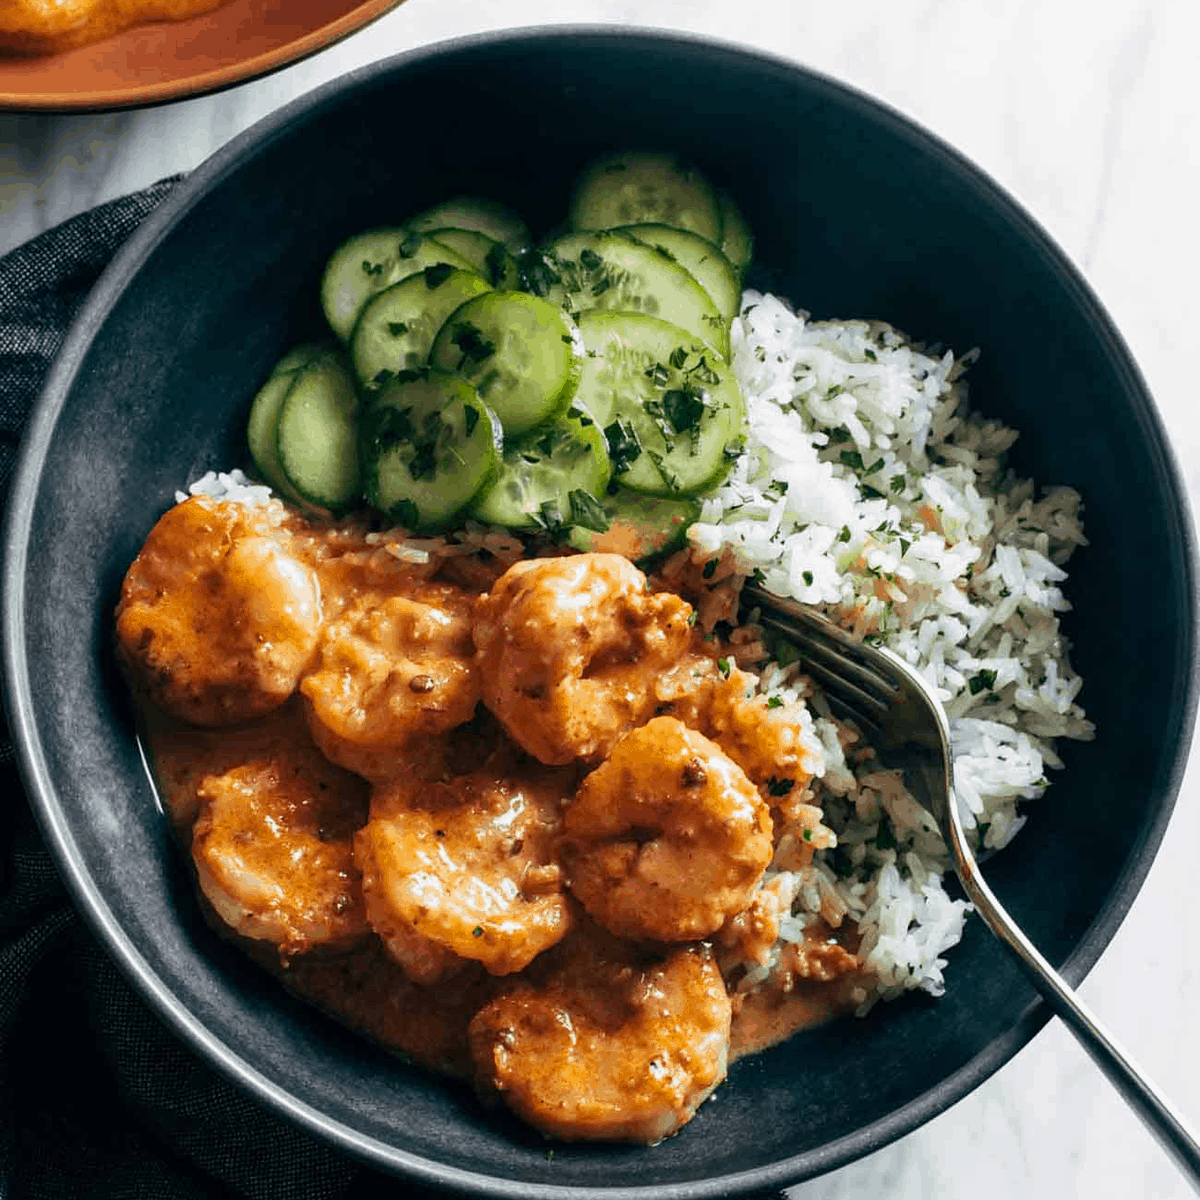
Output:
x=857 y=213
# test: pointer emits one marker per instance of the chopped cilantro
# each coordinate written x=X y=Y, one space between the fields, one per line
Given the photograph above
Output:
x=807 y=576
x=437 y=274
x=683 y=407
x=984 y=681
x=658 y=375
x=469 y=339
x=851 y=458
x=623 y=444
x=586 y=511
x=724 y=667
x=774 y=702
x=538 y=272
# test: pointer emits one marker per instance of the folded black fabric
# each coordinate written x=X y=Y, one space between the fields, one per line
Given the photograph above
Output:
x=98 y=1099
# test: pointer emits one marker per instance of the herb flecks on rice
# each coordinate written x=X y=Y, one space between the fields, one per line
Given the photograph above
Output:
x=870 y=490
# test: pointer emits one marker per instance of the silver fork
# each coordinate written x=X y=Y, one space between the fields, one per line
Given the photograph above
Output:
x=901 y=716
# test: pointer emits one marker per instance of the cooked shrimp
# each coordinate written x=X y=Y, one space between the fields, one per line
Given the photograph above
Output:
x=217 y=619
x=465 y=867
x=606 y=1045
x=775 y=746
x=569 y=651
x=273 y=848
x=391 y=672
x=667 y=838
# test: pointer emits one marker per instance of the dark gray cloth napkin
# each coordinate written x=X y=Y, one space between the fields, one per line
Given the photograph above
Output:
x=98 y=1099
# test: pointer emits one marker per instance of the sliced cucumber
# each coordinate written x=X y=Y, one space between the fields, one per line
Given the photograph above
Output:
x=522 y=353
x=429 y=445
x=672 y=412
x=262 y=429
x=638 y=526
x=492 y=259
x=700 y=258
x=549 y=478
x=612 y=271
x=396 y=328
x=369 y=262
x=301 y=356
x=737 y=242
x=645 y=188
x=317 y=435
x=496 y=220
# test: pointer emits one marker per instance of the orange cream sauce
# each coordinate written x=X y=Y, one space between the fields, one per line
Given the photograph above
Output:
x=364 y=987
x=354 y=975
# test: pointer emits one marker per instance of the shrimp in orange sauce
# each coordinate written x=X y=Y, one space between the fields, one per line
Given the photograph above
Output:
x=464 y=867
x=273 y=849
x=604 y=1043
x=389 y=673
x=218 y=618
x=667 y=838
x=570 y=649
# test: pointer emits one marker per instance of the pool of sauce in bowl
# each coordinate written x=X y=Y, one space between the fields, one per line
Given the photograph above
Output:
x=364 y=988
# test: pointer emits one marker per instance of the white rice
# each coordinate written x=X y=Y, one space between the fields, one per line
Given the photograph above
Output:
x=868 y=489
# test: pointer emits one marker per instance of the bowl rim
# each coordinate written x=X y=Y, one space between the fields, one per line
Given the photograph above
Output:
x=111 y=99
x=89 y=900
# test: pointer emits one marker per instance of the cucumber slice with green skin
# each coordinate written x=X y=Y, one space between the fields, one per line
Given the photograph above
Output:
x=428 y=445
x=672 y=412
x=700 y=258
x=638 y=527
x=492 y=259
x=262 y=429
x=369 y=262
x=301 y=356
x=737 y=242
x=317 y=435
x=644 y=188
x=396 y=327
x=614 y=272
x=523 y=355
x=490 y=217
x=550 y=478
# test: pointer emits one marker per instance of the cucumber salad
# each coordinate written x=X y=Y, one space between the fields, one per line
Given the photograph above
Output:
x=577 y=386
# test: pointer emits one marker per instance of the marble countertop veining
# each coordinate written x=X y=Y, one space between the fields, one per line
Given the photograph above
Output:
x=1090 y=114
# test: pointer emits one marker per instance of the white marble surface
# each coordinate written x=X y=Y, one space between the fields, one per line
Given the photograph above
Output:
x=1090 y=113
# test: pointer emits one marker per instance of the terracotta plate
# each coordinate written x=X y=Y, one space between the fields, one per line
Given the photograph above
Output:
x=149 y=64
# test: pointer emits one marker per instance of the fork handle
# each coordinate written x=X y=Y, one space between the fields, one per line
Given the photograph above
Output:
x=1159 y=1116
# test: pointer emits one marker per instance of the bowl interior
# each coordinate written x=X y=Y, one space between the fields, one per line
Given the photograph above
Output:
x=856 y=213
x=168 y=60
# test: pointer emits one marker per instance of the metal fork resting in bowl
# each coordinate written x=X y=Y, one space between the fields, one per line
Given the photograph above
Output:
x=901 y=716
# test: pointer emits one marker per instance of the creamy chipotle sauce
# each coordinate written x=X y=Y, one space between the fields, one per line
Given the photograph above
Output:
x=513 y=821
